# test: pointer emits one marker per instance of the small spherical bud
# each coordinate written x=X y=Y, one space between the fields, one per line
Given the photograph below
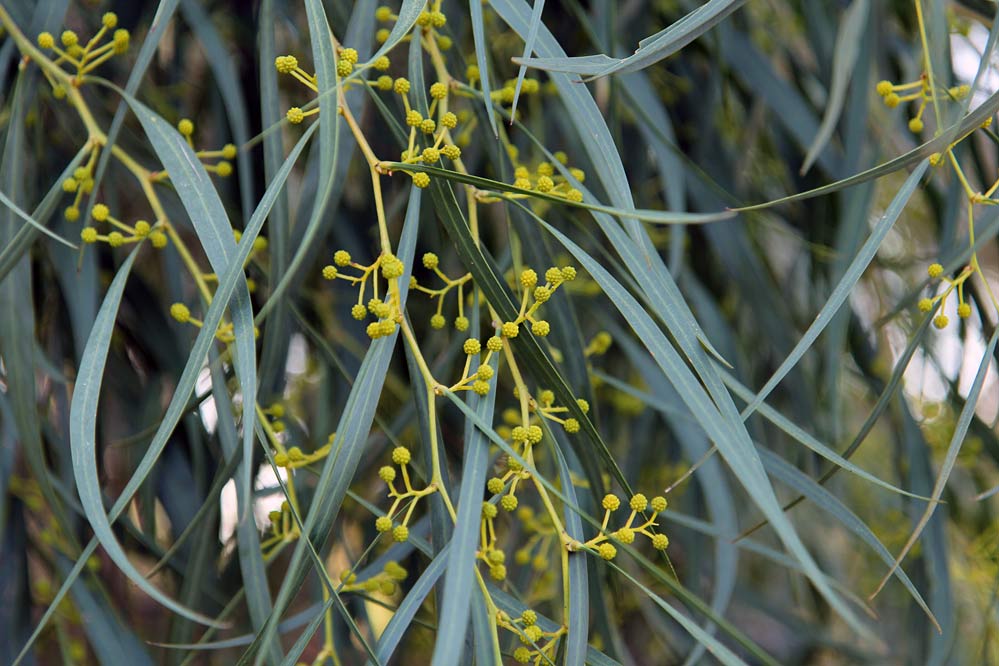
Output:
x=489 y=510
x=528 y=618
x=223 y=169
x=180 y=312
x=69 y=38
x=430 y=155
x=46 y=40
x=383 y=14
x=480 y=387
x=344 y=67
x=638 y=502
x=963 y=310
x=386 y=474
x=449 y=120
x=428 y=126
x=100 y=212
x=574 y=195
x=115 y=239
x=510 y=330
x=925 y=305
x=494 y=344
x=545 y=184
x=444 y=42
x=349 y=54
x=541 y=328
x=383 y=524
x=892 y=100
x=935 y=271
x=611 y=502
x=382 y=35
x=883 y=88
x=88 y=235
x=384 y=82
x=329 y=272
x=545 y=169
x=584 y=406
x=423 y=19
x=401 y=455
x=185 y=127
x=401 y=85
x=158 y=239
x=519 y=434
x=528 y=278
x=658 y=504
x=295 y=115
x=142 y=228
x=421 y=180
x=461 y=324
x=451 y=151
x=341 y=258
x=546 y=397
x=940 y=321
x=400 y=533
x=542 y=293
x=392 y=267
x=120 y=41
x=70 y=184
x=522 y=184
x=471 y=346
x=534 y=434
x=437 y=322
x=625 y=535
x=660 y=541
x=285 y=64
x=472 y=73
x=508 y=502
x=485 y=372
x=553 y=276
x=607 y=551
x=915 y=125
x=571 y=425
x=568 y=273
x=522 y=655
x=498 y=571
x=495 y=485
x=72 y=213
x=381 y=63
x=358 y=312
x=438 y=90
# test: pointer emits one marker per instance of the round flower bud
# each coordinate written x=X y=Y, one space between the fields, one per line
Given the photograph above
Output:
x=329 y=272
x=449 y=120
x=471 y=346
x=935 y=271
x=915 y=125
x=638 y=502
x=142 y=228
x=88 y=235
x=546 y=397
x=437 y=321
x=444 y=42
x=344 y=67
x=438 y=90
x=508 y=502
x=660 y=541
x=883 y=88
x=496 y=556
x=658 y=504
x=892 y=100
x=534 y=434
x=229 y=151
x=185 y=127
x=489 y=510
x=341 y=258
x=568 y=273
x=963 y=310
x=519 y=434
x=510 y=330
x=119 y=42
x=528 y=278
x=480 y=387
x=431 y=260
x=542 y=293
x=494 y=344
x=421 y=180
x=437 y=19
x=553 y=276
x=498 y=571
x=611 y=502
x=925 y=305
x=401 y=86
x=522 y=184
x=115 y=239
x=384 y=82
x=383 y=524
x=400 y=533
x=358 y=312
x=401 y=455
x=451 y=152
x=522 y=655
x=625 y=535
x=495 y=485
x=69 y=185
x=69 y=38
x=584 y=406
x=285 y=64
x=461 y=324
x=484 y=372
x=349 y=54
x=386 y=474
x=383 y=14
x=607 y=551
x=381 y=63
x=541 y=328
x=545 y=184
x=940 y=321
x=428 y=126
x=223 y=169
x=574 y=195
x=382 y=35
x=430 y=155
x=100 y=212
x=46 y=40
x=571 y=425
x=180 y=312
x=295 y=115
x=158 y=239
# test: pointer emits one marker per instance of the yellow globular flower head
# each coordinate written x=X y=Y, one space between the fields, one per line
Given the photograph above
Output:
x=883 y=88
x=109 y=20
x=392 y=266
x=534 y=434
x=472 y=73
x=553 y=276
x=936 y=159
x=571 y=426
x=480 y=387
x=892 y=100
x=382 y=35
x=358 y=312
x=444 y=42
x=545 y=184
x=381 y=63
x=574 y=195
x=584 y=406
x=494 y=344
x=660 y=541
x=438 y=90
x=541 y=328
x=485 y=372
x=285 y=64
x=430 y=260
x=530 y=87
x=400 y=533
x=543 y=293
x=120 y=41
x=638 y=502
x=401 y=455
x=925 y=304
x=461 y=324
x=421 y=180
x=413 y=118
x=438 y=322
x=528 y=278
x=158 y=239
x=578 y=174
x=915 y=125
x=115 y=239
x=607 y=551
x=519 y=434
x=498 y=572
x=344 y=67
x=88 y=235
x=100 y=212
x=509 y=503
x=70 y=184
x=72 y=213
x=383 y=14
x=510 y=330
x=223 y=169
x=180 y=312
x=386 y=474
x=430 y=155
x=384 y=82
x=329 y=272
x=449 y=120
x=611 y=502
x=489 y=510
x=428 y=125
x=341 y=258
x=451 y=151
x=437 y=19
x=625 y=535
x=401 y=85
x=185 y=127
x=934 y=271
x=522 y=184
x=658 y=504
x=568 y=273
x=522 y=655
x=46 y=40
x=69 y=38
x=546 y=169
x=229 y=151
x=546 y=397
x=383 y=524
x=941 y=321
x=963 y=310
x=350 y=55
x=495 y=485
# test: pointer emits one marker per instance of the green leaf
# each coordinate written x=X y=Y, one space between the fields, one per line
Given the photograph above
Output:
x=532 y=36
x=482 y=60
x=14 y=208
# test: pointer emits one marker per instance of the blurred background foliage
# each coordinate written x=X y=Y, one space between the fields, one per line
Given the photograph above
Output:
x=726 y=121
